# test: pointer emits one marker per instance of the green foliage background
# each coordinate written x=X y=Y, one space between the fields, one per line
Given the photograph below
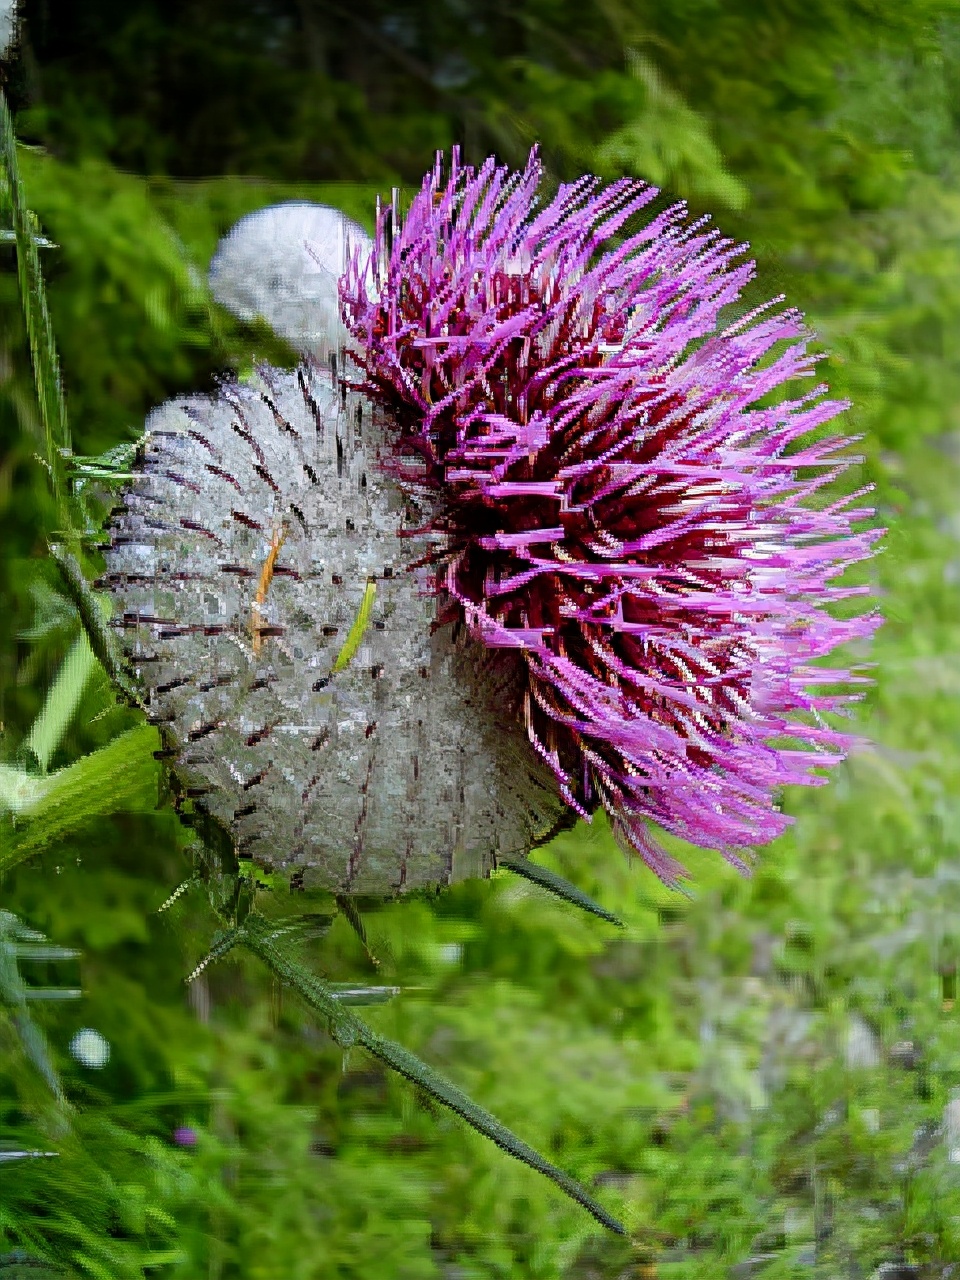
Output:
x=701 y=1070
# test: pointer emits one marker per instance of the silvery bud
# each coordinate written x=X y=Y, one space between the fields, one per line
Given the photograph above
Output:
x=283 y=264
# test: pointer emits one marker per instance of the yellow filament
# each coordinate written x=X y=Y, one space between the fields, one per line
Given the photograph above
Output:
x=263 y=586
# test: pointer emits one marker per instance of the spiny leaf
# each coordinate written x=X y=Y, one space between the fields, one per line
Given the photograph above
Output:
x=8 y=236
x=114 y=467
x=348 y=993
x=257 y=934
x=16 y=942
x=223 y=942
x=25 y=1155
x=178 y=893
x=550 y=881
x=349 y=909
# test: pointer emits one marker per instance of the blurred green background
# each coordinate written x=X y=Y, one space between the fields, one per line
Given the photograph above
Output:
x=761 y=1080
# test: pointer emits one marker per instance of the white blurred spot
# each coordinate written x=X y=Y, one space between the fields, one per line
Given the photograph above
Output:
x=90 y=1048
x=862 y=1050
x=871 y=1119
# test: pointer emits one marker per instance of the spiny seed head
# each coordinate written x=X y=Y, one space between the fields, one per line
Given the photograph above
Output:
x=309 y=701
x=631 y=490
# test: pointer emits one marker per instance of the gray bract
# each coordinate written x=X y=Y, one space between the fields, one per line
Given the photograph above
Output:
x=283 y=263
x=407 y=766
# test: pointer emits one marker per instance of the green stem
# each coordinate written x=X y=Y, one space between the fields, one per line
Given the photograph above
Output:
x=103 y=642
x=43 y=351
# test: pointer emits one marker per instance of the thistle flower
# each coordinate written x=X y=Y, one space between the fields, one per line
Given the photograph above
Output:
x=629 y=491
x=561 y=544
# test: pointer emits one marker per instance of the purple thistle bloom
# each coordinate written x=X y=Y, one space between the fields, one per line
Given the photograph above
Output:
x=617 y=507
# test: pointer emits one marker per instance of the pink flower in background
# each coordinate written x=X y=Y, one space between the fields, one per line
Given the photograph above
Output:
x=632 y=490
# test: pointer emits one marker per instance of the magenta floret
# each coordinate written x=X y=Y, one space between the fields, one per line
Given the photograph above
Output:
x=616 y=504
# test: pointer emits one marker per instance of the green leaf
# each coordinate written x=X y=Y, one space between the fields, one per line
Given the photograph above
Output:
x=8 y=236
x=18 y=942
x=349 y=993
x=224 y=941
x=20 y=790
x=113 y=467
x=118 y=778
x=94 y=610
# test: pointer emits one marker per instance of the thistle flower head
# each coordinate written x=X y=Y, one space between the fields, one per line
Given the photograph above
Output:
x=629 y=486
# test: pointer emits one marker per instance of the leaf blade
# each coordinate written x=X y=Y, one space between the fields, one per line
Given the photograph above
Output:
x=73 y=796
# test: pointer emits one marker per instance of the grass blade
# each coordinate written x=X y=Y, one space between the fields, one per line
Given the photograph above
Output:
x=61 y=703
